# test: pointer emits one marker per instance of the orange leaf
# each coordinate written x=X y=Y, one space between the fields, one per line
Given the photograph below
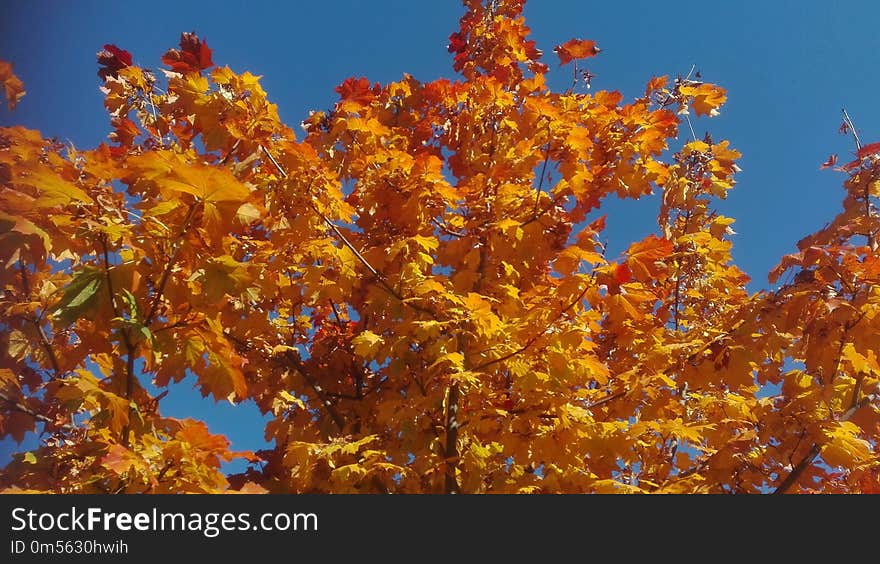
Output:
x=707 y=98
x=645 y=257
x=357 y=90
x=12 y=85
x=576 y=49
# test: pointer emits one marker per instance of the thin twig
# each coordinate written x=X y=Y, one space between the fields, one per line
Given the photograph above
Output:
x=446 y=229
x=319 y=391
x=852 y=128
x=543 y=173
x=534 y=338
x=232 y=150
x=21 y=408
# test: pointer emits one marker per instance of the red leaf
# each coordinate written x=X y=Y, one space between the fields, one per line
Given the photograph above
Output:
x=576 y=49
x=869 y=150
x=357 y=90
x=113 y=59
x=193 y=55
x=457 y=43
x=832 y=160
x=622 y=274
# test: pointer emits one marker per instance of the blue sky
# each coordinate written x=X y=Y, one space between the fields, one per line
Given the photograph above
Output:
x=789 y=67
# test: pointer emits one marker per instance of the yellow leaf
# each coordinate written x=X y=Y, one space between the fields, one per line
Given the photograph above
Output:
x=290 y=399
x=480 y=311
x=845 y=448
x=208 y=184
x=427 y=244
x=247 y=213
x=53 y=189
x=366 y=344
x=454 y=359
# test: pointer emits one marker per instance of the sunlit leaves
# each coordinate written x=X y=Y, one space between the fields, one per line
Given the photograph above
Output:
x=706 y=98
x=418 y=293
x=576 y=49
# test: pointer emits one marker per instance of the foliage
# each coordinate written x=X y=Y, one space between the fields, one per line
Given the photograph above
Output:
x=417 y=290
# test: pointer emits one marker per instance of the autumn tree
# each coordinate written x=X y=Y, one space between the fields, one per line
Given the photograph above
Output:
x=416 y=288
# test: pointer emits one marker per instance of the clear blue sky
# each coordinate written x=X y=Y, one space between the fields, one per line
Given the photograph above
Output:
x=788 y=67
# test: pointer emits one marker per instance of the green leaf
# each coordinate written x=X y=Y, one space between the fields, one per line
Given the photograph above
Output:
x=80 y=295
x=148 y=335
x=132 y=303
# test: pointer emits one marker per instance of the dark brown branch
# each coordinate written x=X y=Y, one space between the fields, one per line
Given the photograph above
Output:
x=607 y=399
x=26 y=285
x=798 y=470
x=319 y=391
x=450 y=450
x=548 y=207
x=231 y=151
x=678 y=275
x=807 y=460
x=543 y=173
x=446 y=229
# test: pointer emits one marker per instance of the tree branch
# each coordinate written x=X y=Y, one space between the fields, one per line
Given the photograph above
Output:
x=160 y=289
x=450 y=450
x=543 y=172
x=328 y=405
x=21 y=408
x=814 y=451
x=852 y=128
x=44 y=340
x=130 y=347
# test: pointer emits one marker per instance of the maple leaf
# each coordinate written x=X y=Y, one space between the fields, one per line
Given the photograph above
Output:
x=707 y=98
x=119 y=459
x=646 y=257
x=357 y=90
x=457 y=42
x=193 y=55
x=412 y=294
x=12 y=85
x=112 y=59
x=576 y=49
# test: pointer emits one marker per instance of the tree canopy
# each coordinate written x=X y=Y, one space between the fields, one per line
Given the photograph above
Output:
x=415 y=286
